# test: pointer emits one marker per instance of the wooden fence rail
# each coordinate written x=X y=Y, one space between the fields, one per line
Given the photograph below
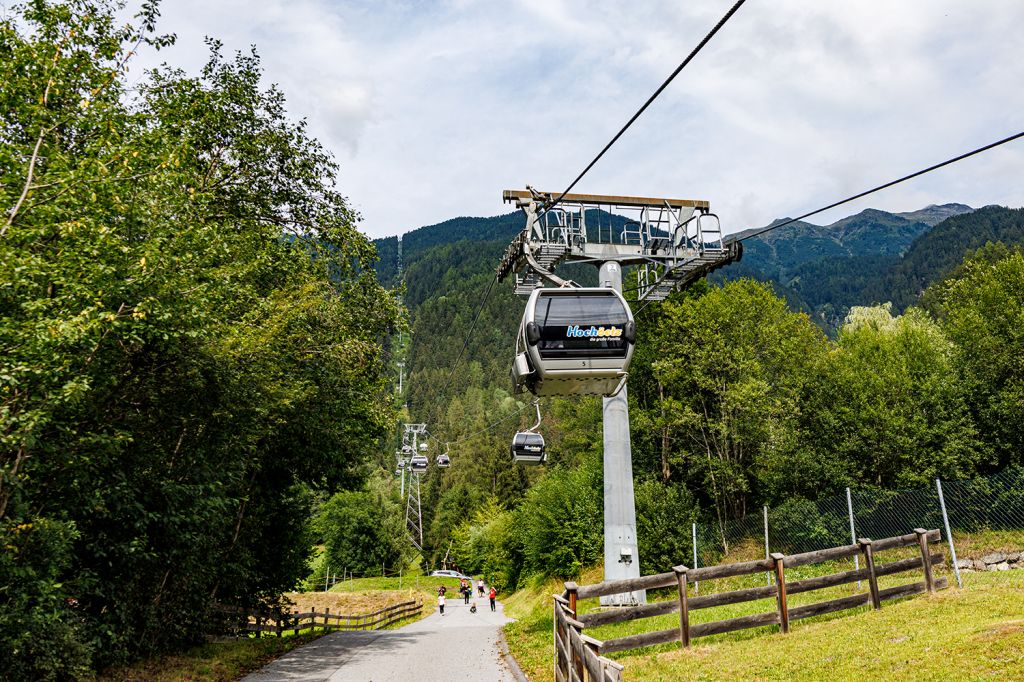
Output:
x=279 y=621
x=578 y=657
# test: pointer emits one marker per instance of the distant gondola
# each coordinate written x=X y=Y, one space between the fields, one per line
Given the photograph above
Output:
x=443 y=461
x=528 y=448
x=574 y=341
x=418 y=463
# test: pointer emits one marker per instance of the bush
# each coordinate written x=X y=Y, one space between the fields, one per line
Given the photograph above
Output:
x=40 y=633
x=664 y=514
x=561 y=522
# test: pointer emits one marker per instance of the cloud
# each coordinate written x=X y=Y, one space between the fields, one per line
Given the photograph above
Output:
x=433 y=108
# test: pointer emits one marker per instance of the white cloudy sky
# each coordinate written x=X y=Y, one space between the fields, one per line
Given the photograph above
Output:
x=433 y=107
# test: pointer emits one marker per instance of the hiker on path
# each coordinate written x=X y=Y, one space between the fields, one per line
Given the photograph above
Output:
x=440 y=602
x=492 y=595
x=468 y=592
x=480 y=587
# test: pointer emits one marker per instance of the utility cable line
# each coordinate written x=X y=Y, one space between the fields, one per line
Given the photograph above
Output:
x=847 y=200
x=491 y=426
x=929 y=169
x=469 y=336
x=650 y=100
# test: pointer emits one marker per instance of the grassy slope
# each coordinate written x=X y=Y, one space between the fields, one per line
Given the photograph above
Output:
x=980 y=630
x=976 y=633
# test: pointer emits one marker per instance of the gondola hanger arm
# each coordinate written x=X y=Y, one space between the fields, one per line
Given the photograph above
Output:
x=543 y=272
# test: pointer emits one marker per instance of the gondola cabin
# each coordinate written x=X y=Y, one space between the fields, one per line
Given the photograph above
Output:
x=443 y=461
x=418 y=463
x=574 y=341
x=423 y=447
x=528 y=448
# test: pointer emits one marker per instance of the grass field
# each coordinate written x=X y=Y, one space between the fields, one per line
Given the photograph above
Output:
x=974 y=633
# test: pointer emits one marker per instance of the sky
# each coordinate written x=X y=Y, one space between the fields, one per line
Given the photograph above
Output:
x=433 y=108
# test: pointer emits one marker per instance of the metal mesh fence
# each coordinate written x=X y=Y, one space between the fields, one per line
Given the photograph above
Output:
x=991 y=503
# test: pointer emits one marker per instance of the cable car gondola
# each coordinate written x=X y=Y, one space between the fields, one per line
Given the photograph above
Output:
x=418 y=463
x=528 y=446
x=574 y=341
x=423 y=447
x=443 y=460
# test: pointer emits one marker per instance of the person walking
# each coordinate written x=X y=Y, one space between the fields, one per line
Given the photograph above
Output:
x=440 y=602
x=492 y=595
x=467 y=592
x=480 y=587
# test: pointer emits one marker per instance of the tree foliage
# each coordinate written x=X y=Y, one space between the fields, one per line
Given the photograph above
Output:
x=982 y=311
x=886 y=407
x=190 y=336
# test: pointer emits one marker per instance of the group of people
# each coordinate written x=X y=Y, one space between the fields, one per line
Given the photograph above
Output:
x=466 y=590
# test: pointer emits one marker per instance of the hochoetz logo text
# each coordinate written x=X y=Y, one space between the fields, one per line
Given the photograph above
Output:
x=576 y=332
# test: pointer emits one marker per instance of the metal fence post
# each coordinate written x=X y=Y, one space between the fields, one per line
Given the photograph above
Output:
x=767 y=574
x=696 y=585
x=949 y=533
x=853 y=535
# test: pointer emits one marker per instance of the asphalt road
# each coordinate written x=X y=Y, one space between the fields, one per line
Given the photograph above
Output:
x=460 y=646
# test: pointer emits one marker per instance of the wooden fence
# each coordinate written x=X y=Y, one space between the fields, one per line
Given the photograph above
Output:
x=578 y=657
x=279 y=621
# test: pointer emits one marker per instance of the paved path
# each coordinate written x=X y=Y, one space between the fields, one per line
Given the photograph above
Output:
x=460 y=646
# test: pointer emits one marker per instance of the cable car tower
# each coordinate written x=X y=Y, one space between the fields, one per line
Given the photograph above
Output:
x=671 y=243
x=411 y=449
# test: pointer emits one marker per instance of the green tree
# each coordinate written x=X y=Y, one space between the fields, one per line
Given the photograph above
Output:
x=364 y=531
x=561 y=522
x=733 y=363
x=982 y=311
x=664 y=514
x=887 y=408
x=190 y=339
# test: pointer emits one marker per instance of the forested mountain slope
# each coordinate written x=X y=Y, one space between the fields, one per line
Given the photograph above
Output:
x=869 y=257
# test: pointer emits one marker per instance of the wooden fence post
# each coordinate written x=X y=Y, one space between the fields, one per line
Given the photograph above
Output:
x=780 y=586
x=869 y=563
x=592 y=646
x=295 y=617
x=926 y=560
x=280 y=623
x=327 y=622
x=554 y=634
x=576 y=663
x=684 y=607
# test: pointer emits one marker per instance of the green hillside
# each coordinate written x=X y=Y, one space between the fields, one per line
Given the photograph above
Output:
x=822 y=271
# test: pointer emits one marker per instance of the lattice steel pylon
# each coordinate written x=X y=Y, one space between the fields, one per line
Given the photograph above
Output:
x=672 y=243
x=413 y=513
x=413 y=510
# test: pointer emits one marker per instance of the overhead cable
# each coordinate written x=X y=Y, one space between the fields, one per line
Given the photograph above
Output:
x=491 y=426
x=469 y=335
x=650 y=100
x=847 y=200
